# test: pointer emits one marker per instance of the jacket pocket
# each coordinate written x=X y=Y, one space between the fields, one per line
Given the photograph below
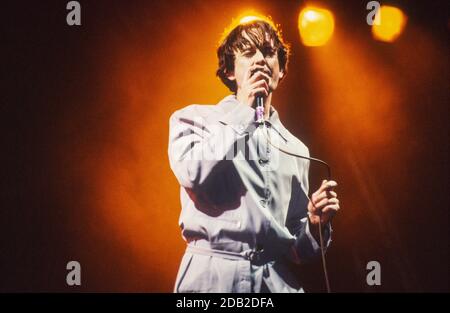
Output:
x=199 y=275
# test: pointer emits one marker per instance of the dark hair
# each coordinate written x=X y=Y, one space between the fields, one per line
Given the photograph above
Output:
x=257 y=30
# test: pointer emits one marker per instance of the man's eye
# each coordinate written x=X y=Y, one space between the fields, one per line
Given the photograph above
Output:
x=269 y=51
x=248 y=52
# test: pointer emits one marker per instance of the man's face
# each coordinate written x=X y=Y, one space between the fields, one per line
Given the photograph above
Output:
x=266 y=56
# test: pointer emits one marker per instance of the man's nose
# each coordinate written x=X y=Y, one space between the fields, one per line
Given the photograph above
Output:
x=259 y=58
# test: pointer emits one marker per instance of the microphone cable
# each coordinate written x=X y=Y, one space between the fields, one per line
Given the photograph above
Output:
x=322 y=248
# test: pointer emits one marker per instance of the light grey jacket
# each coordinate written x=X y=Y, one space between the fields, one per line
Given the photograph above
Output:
x=244 y=203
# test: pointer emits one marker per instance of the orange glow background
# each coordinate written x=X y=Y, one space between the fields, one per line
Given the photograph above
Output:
x=359 y=100
x=100 y=102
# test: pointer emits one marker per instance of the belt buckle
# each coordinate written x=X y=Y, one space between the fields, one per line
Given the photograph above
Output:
x=255 y=255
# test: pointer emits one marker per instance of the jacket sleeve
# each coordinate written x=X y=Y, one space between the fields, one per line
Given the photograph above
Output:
x=197 y=147
x=305 y=248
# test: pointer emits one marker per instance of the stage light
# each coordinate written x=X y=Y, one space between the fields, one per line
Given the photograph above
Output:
x=392 y=23
x=316 y=26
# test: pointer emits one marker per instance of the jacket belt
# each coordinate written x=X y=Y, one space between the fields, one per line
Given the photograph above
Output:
x=256 y=256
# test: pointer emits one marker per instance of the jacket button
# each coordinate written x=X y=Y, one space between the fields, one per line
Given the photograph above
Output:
x=262 y=162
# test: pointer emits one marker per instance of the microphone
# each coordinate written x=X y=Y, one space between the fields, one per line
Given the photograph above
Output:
x=259 y=105
x=259 y=109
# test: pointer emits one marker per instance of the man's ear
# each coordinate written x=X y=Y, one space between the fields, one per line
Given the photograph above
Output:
x=230 y=76
x=281 y=75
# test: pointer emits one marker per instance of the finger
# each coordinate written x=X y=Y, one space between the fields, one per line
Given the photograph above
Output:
x=247 y=74
x=333 y=208
x=323 y=195
x=252 y=70
x=331 y=194
x=259 y=75
x=259 y=91
x=324 y=202
x=260 y=83
x=319 y=190
x=332 y=201
x=319 y=205
x=327 y=185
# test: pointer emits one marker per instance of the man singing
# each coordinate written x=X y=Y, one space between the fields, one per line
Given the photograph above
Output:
x=245 y=211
